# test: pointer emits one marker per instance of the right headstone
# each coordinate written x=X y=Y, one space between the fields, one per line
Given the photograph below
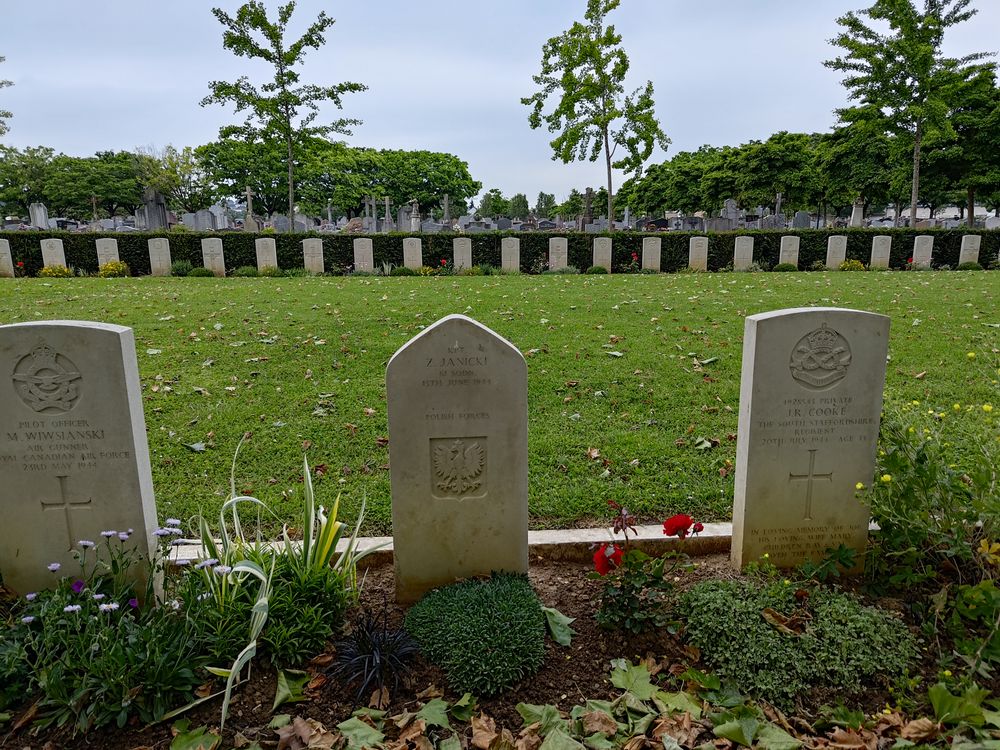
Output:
x=458 y=456
x=970 y=249
x=789 y=252
x=810 y=400
x=107 y=251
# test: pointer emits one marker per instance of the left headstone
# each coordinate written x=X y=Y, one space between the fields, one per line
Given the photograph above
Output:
x=458 y=456
x=159 y=256
x=53 y=253
x=6 y=261
x=73 y=454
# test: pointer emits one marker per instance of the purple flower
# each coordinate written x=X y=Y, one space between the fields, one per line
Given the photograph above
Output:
x=108 y=534
x=222 y=570
x=182 y=562
x=53 y=567
x=31 y=597
x=85 y=543
x=173 y=522
x=123 y=536
x=109 y=607
x=133 y=603
x=78 y=586
x=175 y=531
x=161 y=532
x=27 y=620
x=206 y=563
x=72 y=608
x=98 y=597
x=177 y=542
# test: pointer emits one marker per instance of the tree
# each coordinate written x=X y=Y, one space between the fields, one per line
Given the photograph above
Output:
x=494 y=204
x=426 y=176
x=4 y=114
x=179 y=175
x=24 y=176
x=904 y=73
x=232 y=165
x=544 y=205
x=282 y=109
x=519 y=206
x=573 y=205
x=587 y=66
x=784 y=163
x=856 y=161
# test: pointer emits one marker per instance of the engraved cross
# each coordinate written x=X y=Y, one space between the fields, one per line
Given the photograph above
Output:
x=67 y=506
x=809 y=478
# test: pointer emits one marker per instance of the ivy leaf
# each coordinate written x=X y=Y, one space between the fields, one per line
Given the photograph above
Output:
x=195 y=739
x=450 y=743
x=598 y=742
x=196 y=447
x=463 y=709
x=559 y=626
x=632 y=679
x=435 y=713
x=679 y=702
x=773 y=737
x=955 y=709
x=740 y=730
x=547 y=716
x=291 y=687
x=360 y=734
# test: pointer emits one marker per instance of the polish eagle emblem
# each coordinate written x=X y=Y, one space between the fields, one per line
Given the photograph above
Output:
x=459 y=467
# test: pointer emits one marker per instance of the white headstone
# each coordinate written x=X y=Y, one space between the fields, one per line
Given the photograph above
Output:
x=510 y=254
x=789 y=252
x=364 y=259
x=558 y=253
x=463 y=252
x=212 y=255
x=312 y=255
x=602 y=252
x=73 y=455
x=413 y=252
x=267 y=253
x=857 y=214
x=53 y=253
x=698 y=253
x=923 y=250
x=38 y=215
x=881 y=247
x=159 y=256
x=651 y=252
x=743 y=255
x=970 y=249
x=836 y=251
x=107 y=251
x=6 y=261
x=458 y=455
x=810 y=400
x=992 y=222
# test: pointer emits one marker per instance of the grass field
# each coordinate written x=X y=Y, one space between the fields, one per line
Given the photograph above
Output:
x=300 y=363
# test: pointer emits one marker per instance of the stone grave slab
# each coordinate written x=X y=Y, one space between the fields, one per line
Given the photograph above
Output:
x=107 y=251
x=510 y=254
x=923 y=251
x=6 y=261
x=159 y=256
x=651 y=253
x=458 y=447
x=743 y=253
x=558 y=253
x=698 y=253
x=53 y=253
x=810 y=399
x=881 y=247
x=836 y=251
x=312 y=255
x=364 y=258
x=789 y=252
x=413 y=252
x=602 y=252
x=969 y=252
x=212 y=255
x=267 y=253
x=73 y=454
x=463 y=252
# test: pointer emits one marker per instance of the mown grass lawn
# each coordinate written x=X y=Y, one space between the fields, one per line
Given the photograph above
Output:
x=300 y=363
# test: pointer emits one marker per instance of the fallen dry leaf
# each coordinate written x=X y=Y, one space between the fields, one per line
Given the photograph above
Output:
x=431 y=691
x=593 y=454
x=920 y=730
x=598 y=722
x=484 y=731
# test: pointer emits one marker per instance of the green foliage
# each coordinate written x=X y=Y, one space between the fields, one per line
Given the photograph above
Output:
x=785 y=267
x=181 y=267
x=4 y=114
x=969 y=267
x=834 y=561
x=638 y=594
x=246 y=272
x=201 y=272
x=487 y=635
x=114 y=269
x=596 y=270
x=842 y=645
x=404 y=271
x=54 y=272
x=271 y=272
x=852 y=265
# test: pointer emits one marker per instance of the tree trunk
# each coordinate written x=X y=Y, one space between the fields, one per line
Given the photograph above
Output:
x=611 y=195
x=291 y=185
x=971 y=207
x=915 y=191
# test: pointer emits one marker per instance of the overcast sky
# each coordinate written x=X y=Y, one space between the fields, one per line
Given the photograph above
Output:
x=442 y=75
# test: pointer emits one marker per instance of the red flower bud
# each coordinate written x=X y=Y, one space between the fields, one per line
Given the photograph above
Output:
x=607 y=558
x=678 y=525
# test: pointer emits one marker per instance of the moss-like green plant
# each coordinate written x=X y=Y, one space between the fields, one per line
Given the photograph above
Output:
x=181 y=268
x=785 y=267
x=201 y=272
x=487 y=635
x=597 y=270
x=246 y=271
x=972 y=266
x=402 y=271
x=776 y=647
x=272 y=272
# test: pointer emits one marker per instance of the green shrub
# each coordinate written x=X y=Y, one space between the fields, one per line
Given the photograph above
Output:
x=246 y=272
x=474 y=271
x=839 y=644
x=272 y=272
x=970 y=267
x=564 y=271
x=785 y=267
x=487 y=635
x=55 y=272
x=402 y=271
x=181 y=267
x=201 y=272
x=424 y=271
x=597 y=270
x=298 y=272
x=114 y=269
x=817 y=265
x=852 y=265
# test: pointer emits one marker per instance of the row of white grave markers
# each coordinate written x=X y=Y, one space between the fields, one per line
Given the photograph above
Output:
x=213 y=256
x=74 y=461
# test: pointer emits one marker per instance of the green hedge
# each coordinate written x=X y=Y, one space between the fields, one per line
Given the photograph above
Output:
x=338 y=249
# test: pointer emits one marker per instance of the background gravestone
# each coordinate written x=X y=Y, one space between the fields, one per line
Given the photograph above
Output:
x=698 y=253
x=6 y=261
x=810 y=400
x=53 y=253
x=73 y=454
x=363 y=257
x=212 y=256
x=743 y=253
x=159 y=256
x=602 y=252
x=510 y=254
x=458 y=448
x=413 y=254
x=558 y=253
x=836 y=251
x=463 y=252
x=312 y=255
x=652 y=248
x=107 y=251
x=267 y=253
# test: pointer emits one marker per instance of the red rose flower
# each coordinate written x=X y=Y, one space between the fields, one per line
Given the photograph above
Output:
x=444 y=262
x=698 y=527
x=607 y=558
x=20 y=264
x=678 y=525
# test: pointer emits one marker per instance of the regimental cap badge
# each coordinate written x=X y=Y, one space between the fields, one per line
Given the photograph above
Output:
x=820 y=359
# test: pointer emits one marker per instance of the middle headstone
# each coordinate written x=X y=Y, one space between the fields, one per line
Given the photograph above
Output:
x=510 y=254
x=881 y=247
x=107 y=251
x=602 y=252
x=698 y=253
x=53 y=253
x=836 y=251
x=267 y=253
x=312 y=255
x=558 y=253
x=743 y=254
x=413 y=252
x=810 y=400
x=212 y=256
x=923 y=250
x=651 y=252
x=789 y=252
x=159 y=256
x=364 y=259
x=458 y=455
x=463 y=252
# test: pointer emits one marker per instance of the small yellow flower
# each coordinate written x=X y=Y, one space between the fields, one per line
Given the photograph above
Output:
x=859 y=486
x=971 y=355
x=911 y=430
x=990 y=550
x=886 y=478
x=926 y=431
x=947 y=673
x=766 y=555
x=915 y=403
x=987 y=408
x=957 y=407
x=887 y=710
x=930 y=411
x=787 y=582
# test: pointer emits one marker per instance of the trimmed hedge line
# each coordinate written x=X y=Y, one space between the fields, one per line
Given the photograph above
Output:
x=338 y=249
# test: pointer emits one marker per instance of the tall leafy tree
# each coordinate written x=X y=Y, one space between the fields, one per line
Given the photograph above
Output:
x=234 y=164
x=583 y=69
x=904 y=73
x=493 y=204
x=4 y=114
x=179 y=175
x=519 y=206
x=24 y=176
x=283 y=109
x=544 y=205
